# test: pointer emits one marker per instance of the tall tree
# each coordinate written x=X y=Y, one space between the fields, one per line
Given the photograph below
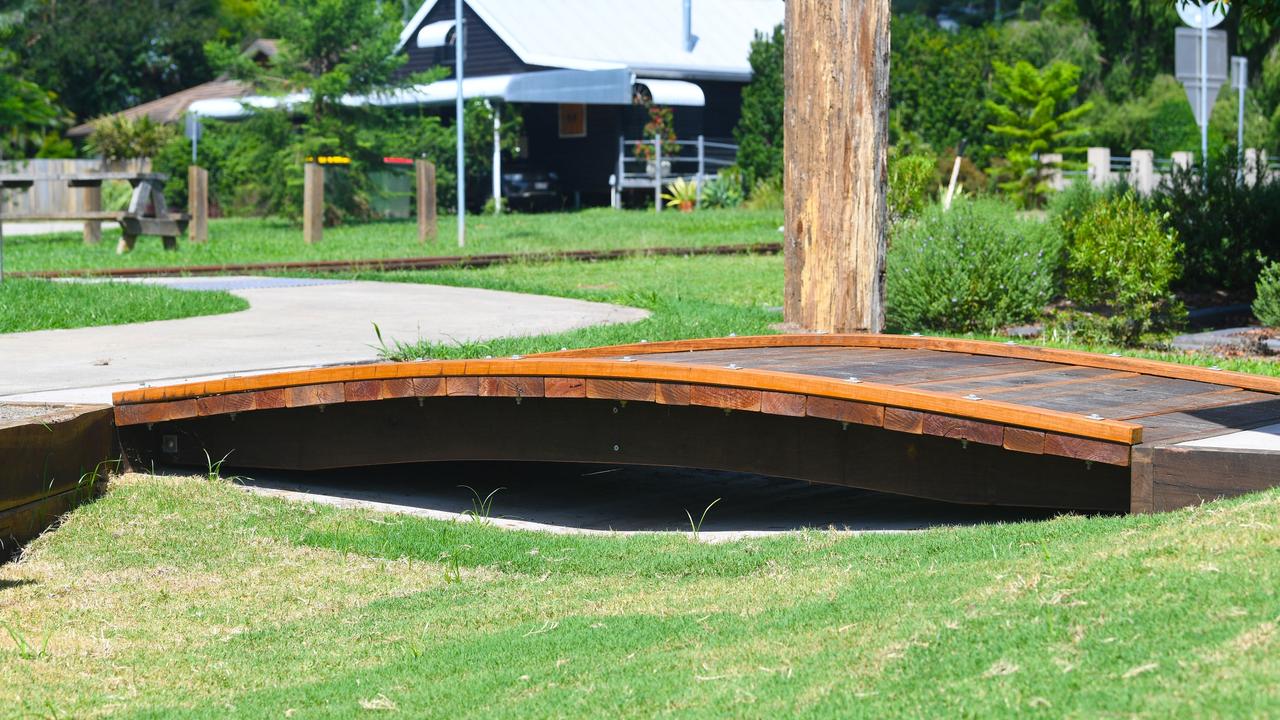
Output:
x=759 y=132
x=837 y=122
x=940 y=79
x=1034 y=117
x=102 y=56
x=29 y=115
x=331 y=48
x=328 y=49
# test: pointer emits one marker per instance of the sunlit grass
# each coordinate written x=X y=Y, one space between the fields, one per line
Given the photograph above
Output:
x=275 y=240
x=185 y=597
x=689 y=297
x=44 y=305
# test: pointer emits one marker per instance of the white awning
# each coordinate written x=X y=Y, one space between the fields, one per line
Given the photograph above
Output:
x=435 y=34
x=674 y=92
x=233 y=108
x=589 y=87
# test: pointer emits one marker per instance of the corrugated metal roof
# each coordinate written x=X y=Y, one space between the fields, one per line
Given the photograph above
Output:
x=647 y=37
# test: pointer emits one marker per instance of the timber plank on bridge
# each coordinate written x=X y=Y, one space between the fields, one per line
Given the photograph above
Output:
x=961 y=420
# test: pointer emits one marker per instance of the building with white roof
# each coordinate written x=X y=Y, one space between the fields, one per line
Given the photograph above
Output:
x=598 y=60
x=581 y=73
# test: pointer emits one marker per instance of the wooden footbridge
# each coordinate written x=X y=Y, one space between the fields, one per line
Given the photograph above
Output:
x=956 y=420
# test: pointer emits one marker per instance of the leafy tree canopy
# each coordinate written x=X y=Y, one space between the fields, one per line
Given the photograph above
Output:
x=29 y=115
x=102 y=56
x=1032 y=118
x=759 y=131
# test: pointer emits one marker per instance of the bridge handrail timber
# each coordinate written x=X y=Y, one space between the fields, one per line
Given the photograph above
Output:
x=994 y=411
x=1141 y=366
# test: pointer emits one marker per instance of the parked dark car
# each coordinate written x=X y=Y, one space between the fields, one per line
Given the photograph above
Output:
x=532 y=190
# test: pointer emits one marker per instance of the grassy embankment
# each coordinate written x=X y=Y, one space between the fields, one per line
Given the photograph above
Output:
x=189 y=598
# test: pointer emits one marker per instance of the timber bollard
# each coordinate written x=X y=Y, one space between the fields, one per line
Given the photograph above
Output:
x=313 y=203
x=198 y=203
x=93 y=203
x=425 y=174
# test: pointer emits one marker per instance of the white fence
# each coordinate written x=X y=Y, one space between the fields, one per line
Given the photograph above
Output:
x=1144 y=172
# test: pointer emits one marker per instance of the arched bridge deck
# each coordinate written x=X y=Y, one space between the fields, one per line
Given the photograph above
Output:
x=959 y=420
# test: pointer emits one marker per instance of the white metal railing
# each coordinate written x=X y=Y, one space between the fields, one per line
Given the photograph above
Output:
x=693 y=160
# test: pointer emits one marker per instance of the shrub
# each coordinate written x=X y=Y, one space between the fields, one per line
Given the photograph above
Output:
x=1266 y=307
x=766 y=194
x=976 y=268
x=661 y=125
x=970 y=180
x=724 y=190
x=681 y=194
x=1226 y=227
x=120 y=138
x=1159 y=119
x=912 y=179
x=1067 y=207
x=1121 y=261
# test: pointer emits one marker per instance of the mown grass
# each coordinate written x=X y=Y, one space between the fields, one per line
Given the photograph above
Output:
x=186 y=598
x=44 y=305
x=700 y=296
x=276 y=240
x=687 y=296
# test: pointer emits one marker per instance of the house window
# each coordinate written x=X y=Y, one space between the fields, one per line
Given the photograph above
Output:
x=573 y=121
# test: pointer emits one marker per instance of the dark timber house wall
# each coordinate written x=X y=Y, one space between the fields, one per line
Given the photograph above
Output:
x=486 y=53
x=585 y=164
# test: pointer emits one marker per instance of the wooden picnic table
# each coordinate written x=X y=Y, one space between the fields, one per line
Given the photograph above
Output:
x=147 y=214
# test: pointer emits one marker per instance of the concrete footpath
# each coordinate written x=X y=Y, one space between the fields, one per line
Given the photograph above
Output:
x=289 y=324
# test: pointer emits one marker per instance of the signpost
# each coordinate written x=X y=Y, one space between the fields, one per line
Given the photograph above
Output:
x=193 y=131
x=459 y=39
x=1201 y=62
x=1240 y=79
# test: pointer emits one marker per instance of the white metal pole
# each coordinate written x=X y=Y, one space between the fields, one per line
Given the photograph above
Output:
x=622 y=168
x=1242 y=72
x=497 y=159
x=1204 y=91
x=702 y=165
x=459 y=39
x=657 y=174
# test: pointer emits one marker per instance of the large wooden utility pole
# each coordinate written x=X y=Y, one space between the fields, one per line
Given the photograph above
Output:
x=837 y=135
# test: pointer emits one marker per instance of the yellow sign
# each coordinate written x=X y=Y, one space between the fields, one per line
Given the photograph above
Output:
x=330 y=160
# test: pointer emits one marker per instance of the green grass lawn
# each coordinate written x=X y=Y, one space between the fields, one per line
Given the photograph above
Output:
x=687 y=296
x=701 y=296
x=273 y=240
x=189 y=598
x=45 y=305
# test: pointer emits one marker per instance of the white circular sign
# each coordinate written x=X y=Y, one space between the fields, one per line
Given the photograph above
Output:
x=1201 y=15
